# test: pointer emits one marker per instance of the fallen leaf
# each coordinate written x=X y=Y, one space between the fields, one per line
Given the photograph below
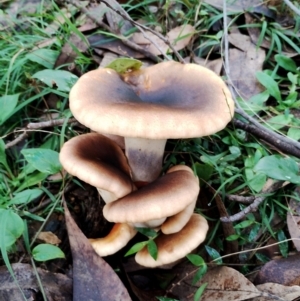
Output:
x=116 y=22
x=293 y=219
x=288 y=293
x=244 y=64
x=179 y=37
x=93 y=278
x=256 y=6
x=223 y=284
x=49 y=238
x=112 y=44
x=214 y=65
x=56 y=286
x=284 y=271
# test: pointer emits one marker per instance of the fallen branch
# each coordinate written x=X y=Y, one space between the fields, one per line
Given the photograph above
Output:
x=37 y=125
x=254 y=206
x=284 y=144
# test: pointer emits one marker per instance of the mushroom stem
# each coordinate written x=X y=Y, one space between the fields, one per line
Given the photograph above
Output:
x=145 y=157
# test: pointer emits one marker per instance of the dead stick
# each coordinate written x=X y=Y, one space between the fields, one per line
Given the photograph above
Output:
x=254 y=206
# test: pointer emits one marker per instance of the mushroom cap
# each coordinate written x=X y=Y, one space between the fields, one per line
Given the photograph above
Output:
x=176 y=222
x=167 y=100
x=98 y=161
x=164 y=197
x=175 y=246
x=116 y=239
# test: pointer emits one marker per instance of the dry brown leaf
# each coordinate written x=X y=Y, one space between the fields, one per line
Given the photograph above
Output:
x=179 y=37
x=215 y=65
x=288 y=293
x=223 y=284
x=284 y=271
x=56 y=286
x=244 y=65
x=114 y=45
x=93 y=278
x=116 y=22
x=49 y=238
x=242 y=5
x=293 y=220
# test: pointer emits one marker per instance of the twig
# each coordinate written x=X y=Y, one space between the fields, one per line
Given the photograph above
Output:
x=124 y=40
x=37 y=125
x=240 y=198
x=292 y=6
x=281 y=142
x=253 y=207
x=143 y=28
x=49 y=123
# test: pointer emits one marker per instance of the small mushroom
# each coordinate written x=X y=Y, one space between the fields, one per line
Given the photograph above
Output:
x=100 y=162
x=164 y=197
x=117 y=238
x=173 y=247
x=148 y=106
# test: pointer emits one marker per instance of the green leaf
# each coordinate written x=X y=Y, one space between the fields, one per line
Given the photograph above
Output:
x=7 y=105
x=44 y=160
x=257 y=181
x=196 y=260
x=44 y=57
x=279 y=168
x=261 y=257
x=244 y=224
x=11 y=227
x=200 y=292
x=152 y=249
x=64 y=80
x=214 y=254
x=44 y=252
x=203 y=171
x=283 y=246
x=233 y=237
x=200 y=273
x=270 y=84
x=122 y=65
x=25 y=196
x=137 y=247
x=294 y=133
x=286 y=62
x=279 y=121
x=33 y=179
x=254 y=232
x=2 y=153
x=147 y=232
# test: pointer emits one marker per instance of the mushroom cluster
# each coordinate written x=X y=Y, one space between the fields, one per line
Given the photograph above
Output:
x=146 y=107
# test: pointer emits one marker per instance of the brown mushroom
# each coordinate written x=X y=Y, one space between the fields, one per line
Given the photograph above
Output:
x=166 y=196
x=148 y=106
x=98 y=161
x=173 y=247
x=118 y=238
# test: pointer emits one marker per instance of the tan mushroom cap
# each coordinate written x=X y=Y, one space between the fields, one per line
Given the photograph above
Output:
x=175 y=246
x=167 y=100
x=176 y=222
x=164 y=197
x=118 y=238
x=98 y=161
